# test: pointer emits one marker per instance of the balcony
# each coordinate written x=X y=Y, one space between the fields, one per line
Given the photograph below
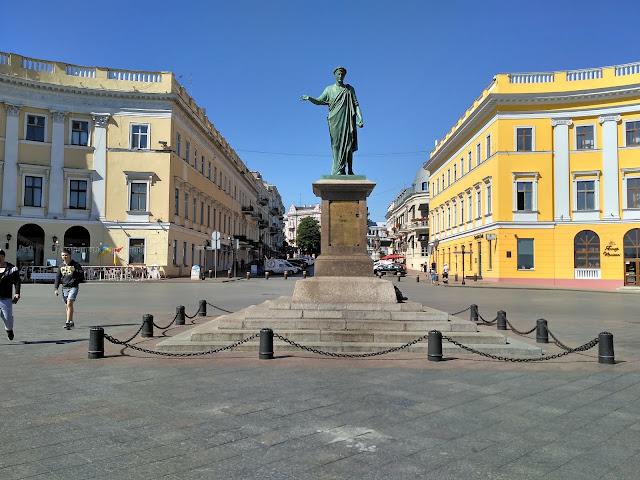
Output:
x=262 y=200
x=418 y=225
x=247 y=209
x=273 y=229
x=256 y=215
x=263 y=224
x=274 y=211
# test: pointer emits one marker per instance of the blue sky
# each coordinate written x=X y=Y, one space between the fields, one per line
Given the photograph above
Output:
x=416 y=66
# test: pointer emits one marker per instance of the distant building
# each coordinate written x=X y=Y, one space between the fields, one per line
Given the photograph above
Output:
x=293 y=218
x=408 y=221
x=378 y=242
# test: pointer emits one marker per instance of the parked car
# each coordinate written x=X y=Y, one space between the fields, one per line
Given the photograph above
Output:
x=389 y=269
x=298 y=262
x=276 y=265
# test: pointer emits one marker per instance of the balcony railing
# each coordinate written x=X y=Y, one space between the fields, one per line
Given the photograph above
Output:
x=586 y=273
x=263 y=200
x=422 y=225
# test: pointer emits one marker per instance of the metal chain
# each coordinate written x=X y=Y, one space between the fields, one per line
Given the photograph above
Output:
x=134 y=335
x=515 y=330
x=349 y=355
x=461 y=311
x=164 y=328
x=172 y=354
x=221 y=309
x=558 y=342
x=581 y=348
x=192 y=316
x=487 y=322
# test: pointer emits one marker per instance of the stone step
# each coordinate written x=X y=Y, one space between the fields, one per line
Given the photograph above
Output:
x=261 y=313
x=513 y=348
x=283 y=303
x=345 y=336
x=341 y=324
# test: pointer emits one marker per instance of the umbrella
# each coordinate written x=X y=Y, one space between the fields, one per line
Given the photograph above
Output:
x=392 y=256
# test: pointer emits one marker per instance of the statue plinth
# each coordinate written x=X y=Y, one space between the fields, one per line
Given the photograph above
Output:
x=343 y=273
x=344 y=226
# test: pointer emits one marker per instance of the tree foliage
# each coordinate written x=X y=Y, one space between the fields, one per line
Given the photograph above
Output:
x=308 y=236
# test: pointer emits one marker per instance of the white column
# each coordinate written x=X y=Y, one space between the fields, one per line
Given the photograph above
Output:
x=10 y=178
x=610 y=203
x=99 y=183
x=56 y=175
x=562 y=179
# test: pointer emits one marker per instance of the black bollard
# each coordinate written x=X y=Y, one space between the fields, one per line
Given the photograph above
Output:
x=266 y=344
x=475 y=277
x=96 y=342
x=180 y=315
x=456 y=277
x=228 y=273
x=285 y=274
x=434 y=346
x=417 y=278
x=380 y=275
x=147 y=325
x=304 y=274
x=202 y=309
x=399 y=275
x=248 y=275
x=542 y=332
x=473 y=312
x=266 y=275
x=502 y=320
x=605 y=348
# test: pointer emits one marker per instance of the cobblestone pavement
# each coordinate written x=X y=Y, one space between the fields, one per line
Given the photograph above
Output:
x=231 y=416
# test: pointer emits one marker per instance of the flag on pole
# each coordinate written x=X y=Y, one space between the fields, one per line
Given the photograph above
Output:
x=103 y=250
x=115 y=258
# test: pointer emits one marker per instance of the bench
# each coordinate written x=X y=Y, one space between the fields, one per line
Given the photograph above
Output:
x=43 y=276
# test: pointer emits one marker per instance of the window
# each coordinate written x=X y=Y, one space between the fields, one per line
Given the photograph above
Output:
x=488 y=152
x=202 y=213
x=202 y=165
x=488 y=193
x=633 y=192
x=195 y=209
x=469 y=161
x=524 y=199
x=32 y=191
x=187 y=152
x=585 y=190
x=208 y=215
x=443 y=181
x=584 y=137
x=175 y=252
x=525 y=253
x=195 y=158
x=35 y=128
x=209 y=172
x=186 y=206
x=136 y=250
x=138 y=200
x=462 y=167
x=193 y=254
x=633 y=133
x=438 y=183
x=477 y=155
x=586 y=250
x=184 y=254
x=215 y=174
x=524 y=139
x=425 y=251
x=455 y=172
x=470 y=209
x=448 y=217
x=478 y=203
x=461 y=211
x=139 y=136
x=178 y=147
x=78 y=194
x=455 y=214
x=448 y=177
x=176 y=202
x=214 y=218
x=425 y=186
x=79 y=132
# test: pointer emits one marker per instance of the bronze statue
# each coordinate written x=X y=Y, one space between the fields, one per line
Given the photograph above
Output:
x=344 y=116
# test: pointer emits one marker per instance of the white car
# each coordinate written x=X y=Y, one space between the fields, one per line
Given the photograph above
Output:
x=277 y=265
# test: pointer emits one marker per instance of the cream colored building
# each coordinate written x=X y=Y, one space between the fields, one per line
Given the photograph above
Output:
x=93 y=157
x=293 y=218
x=408 y=222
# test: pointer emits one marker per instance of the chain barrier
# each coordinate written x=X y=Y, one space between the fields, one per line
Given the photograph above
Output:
x=515 y=330
x=487 y=321
x=461 y=311
x=349 y=355
x=173 y=354
x=164 y=328
x=221 y=309
x=582 y=348
x=558 y=342
x=192 y=316
x=132 y=337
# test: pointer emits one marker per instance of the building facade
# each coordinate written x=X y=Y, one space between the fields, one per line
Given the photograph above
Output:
x=408 y=221
x=378 y=241
x=294 y=217
x=539 y=181
x=94 y=157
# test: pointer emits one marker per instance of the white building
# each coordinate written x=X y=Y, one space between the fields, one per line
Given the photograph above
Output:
x=294 y=217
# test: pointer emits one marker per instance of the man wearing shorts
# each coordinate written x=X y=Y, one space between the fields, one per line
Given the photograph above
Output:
x=9 y=279
x=70 y=275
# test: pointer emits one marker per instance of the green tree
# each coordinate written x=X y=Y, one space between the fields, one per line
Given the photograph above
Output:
x=308 y=236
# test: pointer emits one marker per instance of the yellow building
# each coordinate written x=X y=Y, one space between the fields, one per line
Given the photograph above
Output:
x=93 y=157
x=539 y=181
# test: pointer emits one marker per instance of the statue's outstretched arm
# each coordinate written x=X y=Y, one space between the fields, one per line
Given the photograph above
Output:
x=315 y=101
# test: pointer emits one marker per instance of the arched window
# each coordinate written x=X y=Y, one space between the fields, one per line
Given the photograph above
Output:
x=632 y=244
x=586 y=250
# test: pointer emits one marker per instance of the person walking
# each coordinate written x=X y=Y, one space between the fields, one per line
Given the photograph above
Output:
x=445 y=273
x=9 y=281
x=433 y=275
x=70 y=275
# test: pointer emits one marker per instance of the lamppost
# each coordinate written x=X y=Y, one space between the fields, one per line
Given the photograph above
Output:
x=463 y=265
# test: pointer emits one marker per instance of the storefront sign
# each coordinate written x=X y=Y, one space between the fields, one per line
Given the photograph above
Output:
x=611 y=250
x=480 y=235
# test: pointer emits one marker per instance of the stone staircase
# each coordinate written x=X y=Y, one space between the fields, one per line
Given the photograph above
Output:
x=343 y=328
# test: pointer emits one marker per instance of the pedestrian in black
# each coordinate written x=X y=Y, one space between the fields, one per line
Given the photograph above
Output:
x=9 y=281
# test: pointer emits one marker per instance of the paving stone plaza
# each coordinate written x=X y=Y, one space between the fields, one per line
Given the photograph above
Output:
x=230 y=415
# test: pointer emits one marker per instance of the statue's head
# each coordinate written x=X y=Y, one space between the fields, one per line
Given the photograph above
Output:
x=339 y=72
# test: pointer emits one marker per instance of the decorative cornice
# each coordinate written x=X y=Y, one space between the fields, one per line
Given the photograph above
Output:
x=58 y=117
x=561 y=121
x=100 y=120
x=12 y=110
x=609 y=118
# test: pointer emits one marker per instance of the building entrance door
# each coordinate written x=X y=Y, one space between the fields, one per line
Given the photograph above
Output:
x=632 y=273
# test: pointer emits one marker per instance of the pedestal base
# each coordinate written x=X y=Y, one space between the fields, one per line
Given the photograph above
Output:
x=343 y=266
x=344 y=290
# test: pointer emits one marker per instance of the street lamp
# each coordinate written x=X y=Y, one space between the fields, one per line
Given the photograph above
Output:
x=463 y=265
